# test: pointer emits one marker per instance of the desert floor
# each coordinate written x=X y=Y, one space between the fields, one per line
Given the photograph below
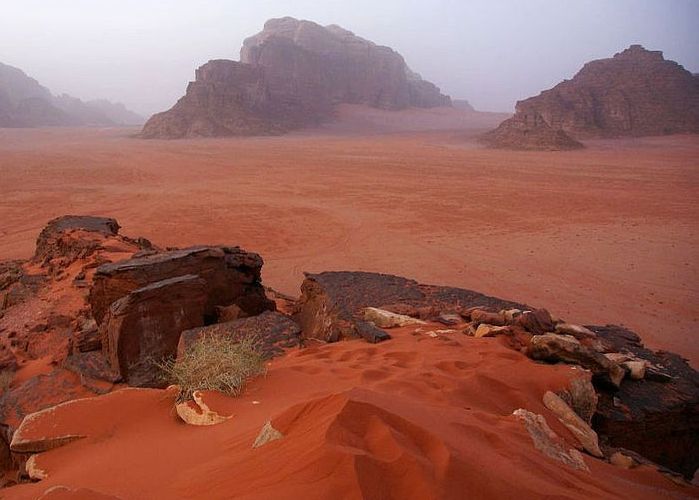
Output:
x=609 y=234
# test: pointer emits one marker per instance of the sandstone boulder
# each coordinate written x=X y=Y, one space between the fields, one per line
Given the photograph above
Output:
x=332 y=303
x=144 y=327
x=272 y=331
x=553 y=347
x=548 y=442
x=387 y=319
x=576 y=425
x=231 y=276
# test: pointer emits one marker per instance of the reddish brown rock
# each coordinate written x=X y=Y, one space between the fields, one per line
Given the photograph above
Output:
x=332 y=303
x=635 y=93
x=55 y=241
x=144 y=327
x=231 y=275
x=272 y=331
x=537 y=321
x=289 y=76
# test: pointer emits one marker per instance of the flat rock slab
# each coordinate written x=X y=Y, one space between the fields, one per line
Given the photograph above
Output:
x=231 y=275
x=332 y=302
x=274 y=331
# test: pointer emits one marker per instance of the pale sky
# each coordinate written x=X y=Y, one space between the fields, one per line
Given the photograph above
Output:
x=491 y=52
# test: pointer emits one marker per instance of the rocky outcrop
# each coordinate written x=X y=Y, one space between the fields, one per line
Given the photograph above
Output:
x=55 y=240
x=231 y=274
x=529 y=131
x=658 y=416
x=144 y=327
x=635 y=93
x=26 y=103
x=333 y=303
x=289 y=76
x=272 y=332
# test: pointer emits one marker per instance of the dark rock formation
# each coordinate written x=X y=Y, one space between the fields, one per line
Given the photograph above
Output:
x=25 y=103
x=331 y=302
x=144 y=327
x=272 y=331
x=657 y=417
x=289 y=76
x=232 y=276
x=635 y=93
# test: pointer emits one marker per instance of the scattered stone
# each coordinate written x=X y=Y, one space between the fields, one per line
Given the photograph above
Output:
x=577 y=426
x=449 y=319
x=554 y=347
x=144 y=327
x=548 y=442
x=538 y=321
x=266 y=435
x=197 y=412
x=577 y=331
x=479 y=316
x=387 y=319
x=511 y=315
x=333 y=302
x=485 y=330
x=370 y=332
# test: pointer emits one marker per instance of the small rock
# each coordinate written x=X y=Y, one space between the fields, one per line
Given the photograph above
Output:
x=387 y=319
x=577 y=426
x=479 y=316
x=485 y=330
x=266 y=435
x=637 y=369
x=538 y=321
x=197 y=412
x=621 y=460
x=33 y=471
x=577 y=331
x=511 y=315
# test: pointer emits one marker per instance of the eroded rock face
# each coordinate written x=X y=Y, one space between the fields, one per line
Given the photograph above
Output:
x=144 y=327
x=291 y=75
x=55 y=240
x=658 y=416
x=332 y=303
x=635 y=93
x=232 y=276
x=272 y=331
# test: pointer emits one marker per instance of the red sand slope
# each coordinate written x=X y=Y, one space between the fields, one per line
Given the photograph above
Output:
x=415 y=417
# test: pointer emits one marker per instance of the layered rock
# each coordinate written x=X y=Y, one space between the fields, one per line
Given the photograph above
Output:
x=291 y=75
x=333 y=303
x=144 y=327
x=635 y=93
x=232 y=276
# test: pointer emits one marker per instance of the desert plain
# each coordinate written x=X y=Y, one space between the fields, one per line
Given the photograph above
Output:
x=607 y=234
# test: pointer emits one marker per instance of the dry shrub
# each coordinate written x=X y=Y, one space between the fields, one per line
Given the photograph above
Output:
x=5 y=381
x=215 y=363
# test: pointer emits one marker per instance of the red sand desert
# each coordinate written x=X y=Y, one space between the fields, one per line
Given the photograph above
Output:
x=608 y=234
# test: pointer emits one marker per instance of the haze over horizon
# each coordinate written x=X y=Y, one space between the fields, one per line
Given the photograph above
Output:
x=144 y=53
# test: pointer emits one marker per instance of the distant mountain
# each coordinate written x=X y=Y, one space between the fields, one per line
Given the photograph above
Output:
x=26 y=103
x=635 y=93
x=291 y=75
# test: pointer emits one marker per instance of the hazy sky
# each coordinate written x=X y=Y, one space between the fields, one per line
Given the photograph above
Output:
x=491 y=52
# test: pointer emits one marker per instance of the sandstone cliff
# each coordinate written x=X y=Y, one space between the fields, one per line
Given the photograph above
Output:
x=635 y=93
x=291 y=75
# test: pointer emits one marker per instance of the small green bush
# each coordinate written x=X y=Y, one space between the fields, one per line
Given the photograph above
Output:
x=215 y=363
